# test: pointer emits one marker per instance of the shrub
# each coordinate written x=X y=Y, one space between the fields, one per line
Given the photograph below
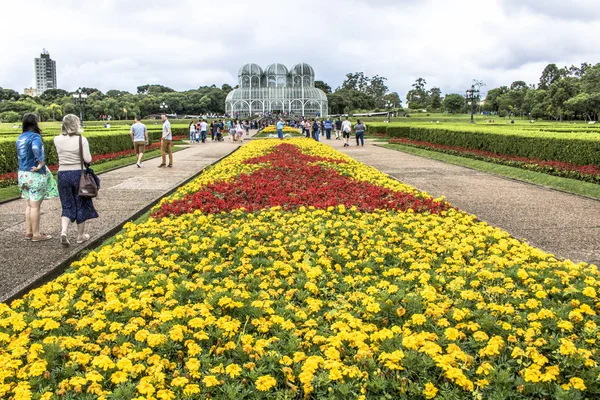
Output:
x=9 y=116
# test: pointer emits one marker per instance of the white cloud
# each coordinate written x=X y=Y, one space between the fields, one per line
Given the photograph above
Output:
x=184 y=44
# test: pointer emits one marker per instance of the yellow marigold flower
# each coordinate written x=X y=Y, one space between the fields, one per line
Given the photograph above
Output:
x=210 y=381
x=577 y=383
x=233 y=370
x=179 y=381
x=400 y=311
x=453 y=334
x=265 y=383
x=480 y=336
x=118 y=377
x=430 y=391
x=37 y=368
x=567 y=348
x=418 y=319
x=589 y=292
x=191 y=389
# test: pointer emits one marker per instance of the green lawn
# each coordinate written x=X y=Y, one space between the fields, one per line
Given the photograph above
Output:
x=538 y=178
x=12 y=192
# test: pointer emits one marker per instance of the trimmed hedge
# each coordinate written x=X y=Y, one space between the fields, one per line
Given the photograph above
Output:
x=575 y=151
x=99 y=144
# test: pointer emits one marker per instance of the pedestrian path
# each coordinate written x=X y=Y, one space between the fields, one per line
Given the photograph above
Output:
x=565 y=225
x=124 y=193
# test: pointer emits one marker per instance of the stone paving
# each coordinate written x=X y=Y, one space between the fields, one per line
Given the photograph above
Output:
x=124 y=193
x=565 y=225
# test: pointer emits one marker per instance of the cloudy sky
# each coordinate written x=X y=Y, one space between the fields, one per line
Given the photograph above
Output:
x=188 y=43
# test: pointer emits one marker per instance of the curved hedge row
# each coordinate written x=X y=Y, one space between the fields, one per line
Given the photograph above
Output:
x=99 y=144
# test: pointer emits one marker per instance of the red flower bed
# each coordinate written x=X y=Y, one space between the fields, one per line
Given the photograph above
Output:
x=11 y=178
x=592 y=170
x=290 y=182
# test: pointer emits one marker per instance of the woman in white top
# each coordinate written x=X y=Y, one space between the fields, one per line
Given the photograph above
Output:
x=74 y=208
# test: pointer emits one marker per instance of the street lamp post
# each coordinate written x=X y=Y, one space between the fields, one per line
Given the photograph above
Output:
x=388 y=105
x=164 y=107
x=79 y=98
x=472 y=95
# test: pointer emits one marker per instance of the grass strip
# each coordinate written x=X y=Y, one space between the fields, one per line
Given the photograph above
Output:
x=568 y=185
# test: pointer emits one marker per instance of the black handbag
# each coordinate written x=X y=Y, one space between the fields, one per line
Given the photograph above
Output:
x=88 y=187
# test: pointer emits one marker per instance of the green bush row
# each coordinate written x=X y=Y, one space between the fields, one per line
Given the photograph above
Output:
x=576 y=151
x=99 y=144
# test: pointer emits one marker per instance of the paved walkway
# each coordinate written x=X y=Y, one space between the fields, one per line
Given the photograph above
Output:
x=124 y=193
x=565 y=225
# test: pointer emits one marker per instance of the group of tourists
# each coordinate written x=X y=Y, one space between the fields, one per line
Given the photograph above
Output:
x=235 y=128
x=342 y=129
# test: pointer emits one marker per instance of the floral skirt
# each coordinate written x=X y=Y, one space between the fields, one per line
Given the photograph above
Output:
x=36 y=186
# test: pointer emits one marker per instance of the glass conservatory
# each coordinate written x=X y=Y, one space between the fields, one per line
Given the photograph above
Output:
x=276 y=90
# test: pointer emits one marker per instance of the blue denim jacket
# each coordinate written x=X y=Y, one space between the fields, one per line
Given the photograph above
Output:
x=30 y=151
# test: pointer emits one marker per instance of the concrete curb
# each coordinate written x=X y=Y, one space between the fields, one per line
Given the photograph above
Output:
x=58 y=268
x=508 y=178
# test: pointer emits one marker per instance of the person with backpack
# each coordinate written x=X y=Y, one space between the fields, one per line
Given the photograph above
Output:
x=316 y=126
x=359 y=130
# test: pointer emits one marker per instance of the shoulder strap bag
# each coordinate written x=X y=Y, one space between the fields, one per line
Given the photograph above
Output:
x=87 y=184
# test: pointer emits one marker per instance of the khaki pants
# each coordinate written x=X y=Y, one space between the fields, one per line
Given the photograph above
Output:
x=165 y=148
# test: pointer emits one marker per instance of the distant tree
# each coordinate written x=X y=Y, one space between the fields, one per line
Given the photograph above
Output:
x=52 y=95
x=8 y=95
x=454 y=102
x=116 y=93
x=56 y=111
x=226 y=88
x=9 y=116
x=417 y=97
x=323 y=86
x=435 y=98
x=356 y=81
x=549 y=75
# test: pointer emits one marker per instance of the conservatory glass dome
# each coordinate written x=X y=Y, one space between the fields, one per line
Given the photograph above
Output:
x=276 y=90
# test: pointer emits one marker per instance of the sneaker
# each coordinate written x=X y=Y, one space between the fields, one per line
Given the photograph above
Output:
x=170 y=165
x=83 y=239
x=138 y=165
x=161 y=166
x=64 y=240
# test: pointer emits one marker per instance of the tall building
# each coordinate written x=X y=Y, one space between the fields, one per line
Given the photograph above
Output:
x=45 y=73
x=277 y=90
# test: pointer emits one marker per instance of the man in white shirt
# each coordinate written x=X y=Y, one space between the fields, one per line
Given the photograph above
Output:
x=166 y=142
x=346 y=129
x=139 y=137
x=203 y=130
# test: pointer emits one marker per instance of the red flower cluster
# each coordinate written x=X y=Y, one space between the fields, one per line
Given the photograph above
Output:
x=290 y=182
x=558 y=165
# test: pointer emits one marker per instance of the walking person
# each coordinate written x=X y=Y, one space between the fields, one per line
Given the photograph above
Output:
x=280 y=125
x=328 y=125
x=203 y=130
x=139 y=137
x=35 y=180
x=192 y=132
x=307 y=127
x=359 y=130
x=166 y=142
x=338 y=129
x=346 y=129
x=74 y=207
x=315 y=127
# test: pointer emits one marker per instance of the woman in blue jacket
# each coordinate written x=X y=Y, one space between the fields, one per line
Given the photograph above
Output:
x=36 y=182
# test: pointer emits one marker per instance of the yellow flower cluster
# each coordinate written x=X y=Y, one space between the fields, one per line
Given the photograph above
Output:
x=286 y=129
x=331 y=303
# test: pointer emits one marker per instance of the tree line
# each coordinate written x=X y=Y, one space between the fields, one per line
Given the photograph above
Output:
x=561 y=93
x=119 y=104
